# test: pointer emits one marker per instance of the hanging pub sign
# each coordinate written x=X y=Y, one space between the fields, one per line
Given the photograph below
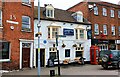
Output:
x=68 y=32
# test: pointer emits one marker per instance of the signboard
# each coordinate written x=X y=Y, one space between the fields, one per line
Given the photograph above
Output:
x=68 y=32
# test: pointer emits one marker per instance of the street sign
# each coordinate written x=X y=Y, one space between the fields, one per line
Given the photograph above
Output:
x=61 y=35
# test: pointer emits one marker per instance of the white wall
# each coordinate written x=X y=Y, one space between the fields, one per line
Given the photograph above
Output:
x=68 y=40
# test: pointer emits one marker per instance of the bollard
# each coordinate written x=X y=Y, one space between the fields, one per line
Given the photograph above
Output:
x=52 y=72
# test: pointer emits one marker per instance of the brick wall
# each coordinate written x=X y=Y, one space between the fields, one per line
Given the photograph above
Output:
x=18 y=9
x=100 y=19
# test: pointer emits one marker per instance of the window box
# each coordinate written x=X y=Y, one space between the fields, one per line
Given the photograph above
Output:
x=63 y=45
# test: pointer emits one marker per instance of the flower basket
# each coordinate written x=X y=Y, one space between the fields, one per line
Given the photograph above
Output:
x=63 y=45
x=74 y=45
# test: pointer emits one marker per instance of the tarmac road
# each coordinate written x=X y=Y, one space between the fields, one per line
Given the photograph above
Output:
x=70 y=70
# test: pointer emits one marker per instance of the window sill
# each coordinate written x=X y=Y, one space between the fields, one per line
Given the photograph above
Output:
x=26 y=31
x=26 y=4
x=4 y=60
x=1 y=27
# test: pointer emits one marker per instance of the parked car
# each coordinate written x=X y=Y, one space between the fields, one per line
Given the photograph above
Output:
x=109 y=58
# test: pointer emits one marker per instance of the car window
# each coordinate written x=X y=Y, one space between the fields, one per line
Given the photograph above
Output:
x=102 y=53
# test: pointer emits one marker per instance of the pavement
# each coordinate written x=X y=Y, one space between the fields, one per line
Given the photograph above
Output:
x=69 y=70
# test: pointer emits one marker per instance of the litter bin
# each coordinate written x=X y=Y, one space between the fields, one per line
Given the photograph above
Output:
x=52 y=72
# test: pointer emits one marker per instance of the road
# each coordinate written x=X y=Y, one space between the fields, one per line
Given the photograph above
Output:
x=69 y=70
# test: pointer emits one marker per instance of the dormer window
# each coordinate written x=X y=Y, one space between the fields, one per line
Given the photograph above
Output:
x=78 y=16
x=49 y=11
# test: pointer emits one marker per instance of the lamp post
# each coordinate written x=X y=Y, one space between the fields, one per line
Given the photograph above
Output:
x=38 y=25
x=58 y=51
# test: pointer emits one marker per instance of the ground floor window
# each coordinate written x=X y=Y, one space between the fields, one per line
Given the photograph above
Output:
x=53 y=53
x=4 y=51
x=67 y=52
x=79 y=53
x=103 y=46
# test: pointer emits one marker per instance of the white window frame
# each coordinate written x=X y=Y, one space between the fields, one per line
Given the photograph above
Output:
x=105 y=29
x=119 y=30
x=28 y=24
x=26 y=2
x=50 y=12
x=1 y=18
x=119 y=14
x=53 y=51
x=104 y=12
x=96 y=29
x=51 y=32
x=103 y=47
x=112 y=13
x=113 y=30
x=96 y=10
x=6 y=60
x=78 y=34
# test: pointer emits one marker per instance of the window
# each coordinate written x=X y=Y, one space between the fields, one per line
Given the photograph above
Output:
x=96 y=10
x=119 y=30
x=26 y=1
x=79 y=53
x=4 y=51
x=52 y=32
x=104 y=12
x=49 y=13
x=79 y=33
x=105 y=29
x=53 y=53
x=26 y=23
x=103 y=47
x=96 y=29
x=119 y=14
x=67 y=52
x=113 y=30
x=0 y=18
x=112 y=13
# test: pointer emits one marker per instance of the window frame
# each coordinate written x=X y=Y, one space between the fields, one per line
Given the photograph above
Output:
x=119 y=30
x=96 y=31
x=1 y=18
x=28 y=3
x=96 y=10
x=28 y=29
x=50 y=32
x=113 y=30
x=67 y=50
x=53 y=50
x=104 y=12
x=112 y=13
x=50 y=12
x=118 y=13
x=7 y=60
x=105 y=29
x=78 y=33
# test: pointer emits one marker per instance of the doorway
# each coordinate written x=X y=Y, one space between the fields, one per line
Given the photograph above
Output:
x=42 y=57
x=26 y=57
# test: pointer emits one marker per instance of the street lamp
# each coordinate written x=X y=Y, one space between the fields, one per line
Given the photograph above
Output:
x=58 y=51
x=38 y=25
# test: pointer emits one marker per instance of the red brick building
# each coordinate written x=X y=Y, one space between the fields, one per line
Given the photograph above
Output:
x=17 y=34
x=105 y=19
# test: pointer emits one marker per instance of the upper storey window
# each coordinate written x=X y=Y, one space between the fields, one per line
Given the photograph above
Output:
x=26 y=1
x=96 y=10
x=78 y=16
x=104 y=12
x=119 y=14
x=49 y=11
x=112 y=13
x=0 y=18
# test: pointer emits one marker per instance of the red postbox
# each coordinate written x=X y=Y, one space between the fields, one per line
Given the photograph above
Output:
x=94 y=52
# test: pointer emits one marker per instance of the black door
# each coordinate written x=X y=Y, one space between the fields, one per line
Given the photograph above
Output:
x=42 y=57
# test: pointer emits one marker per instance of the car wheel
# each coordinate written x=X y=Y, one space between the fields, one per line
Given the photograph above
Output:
x=105 y=58
x=105 y=66
x=118 y=65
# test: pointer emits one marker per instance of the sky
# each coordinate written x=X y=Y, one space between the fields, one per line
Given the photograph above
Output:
x=65 y=4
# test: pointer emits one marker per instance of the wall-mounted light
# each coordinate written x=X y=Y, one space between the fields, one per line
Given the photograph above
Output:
x=12 y=27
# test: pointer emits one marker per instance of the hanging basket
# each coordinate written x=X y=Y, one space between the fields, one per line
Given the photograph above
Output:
x=63 y=45
x=74 y=45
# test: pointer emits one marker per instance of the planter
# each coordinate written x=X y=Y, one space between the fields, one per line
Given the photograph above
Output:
x=74 y=45
x=63 y=45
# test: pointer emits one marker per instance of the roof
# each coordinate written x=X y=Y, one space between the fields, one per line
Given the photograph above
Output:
x=96 y=1
x=60 y=15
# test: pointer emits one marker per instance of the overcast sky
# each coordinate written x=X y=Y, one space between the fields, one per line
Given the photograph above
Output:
x=65 y=4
